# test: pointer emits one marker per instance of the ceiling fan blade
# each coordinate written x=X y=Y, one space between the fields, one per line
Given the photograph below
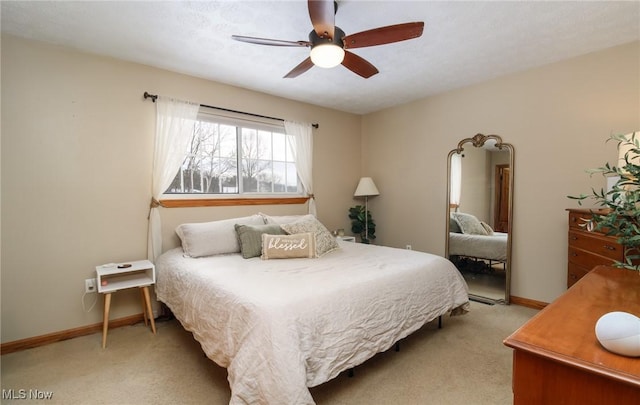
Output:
x=384 y=35
x=300 y=69
x=323 y=17
x=358 y=65
x=272 y=42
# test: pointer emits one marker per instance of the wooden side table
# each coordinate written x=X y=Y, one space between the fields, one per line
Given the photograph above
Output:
x=557 y=358
x=114 y=277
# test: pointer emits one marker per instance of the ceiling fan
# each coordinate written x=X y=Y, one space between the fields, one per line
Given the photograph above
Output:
x=329 y=44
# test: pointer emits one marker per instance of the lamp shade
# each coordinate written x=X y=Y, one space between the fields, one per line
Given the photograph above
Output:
x=366 y=187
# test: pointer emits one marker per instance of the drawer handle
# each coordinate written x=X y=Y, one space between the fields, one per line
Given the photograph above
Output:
x=574 y=238
x=574 y=254
x=609 y=247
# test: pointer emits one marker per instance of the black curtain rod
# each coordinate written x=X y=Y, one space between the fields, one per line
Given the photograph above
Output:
x=153 y=98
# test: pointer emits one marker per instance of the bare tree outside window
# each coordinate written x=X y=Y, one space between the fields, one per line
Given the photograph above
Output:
x=256 y=148
x=220 y=154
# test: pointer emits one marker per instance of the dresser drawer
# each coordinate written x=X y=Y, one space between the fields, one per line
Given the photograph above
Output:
x=577 y=220
x=586 y=259
x=596 y=243
x=575 y=273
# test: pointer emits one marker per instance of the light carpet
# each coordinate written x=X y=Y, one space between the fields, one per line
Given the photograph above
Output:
x=465 y=362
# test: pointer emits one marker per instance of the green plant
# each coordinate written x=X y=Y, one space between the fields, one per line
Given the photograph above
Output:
x=357 y=215
x=621 y=204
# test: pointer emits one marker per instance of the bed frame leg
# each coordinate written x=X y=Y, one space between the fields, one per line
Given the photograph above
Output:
x=440 y=322
x=350 y=373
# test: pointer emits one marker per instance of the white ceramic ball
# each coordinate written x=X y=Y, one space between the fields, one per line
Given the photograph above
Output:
x=619 y=332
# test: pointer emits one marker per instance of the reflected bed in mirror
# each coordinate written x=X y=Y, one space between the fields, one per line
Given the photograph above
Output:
x=479 y=211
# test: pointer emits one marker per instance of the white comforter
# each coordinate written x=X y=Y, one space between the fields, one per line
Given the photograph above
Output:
x=280 y=326
x=492 y=247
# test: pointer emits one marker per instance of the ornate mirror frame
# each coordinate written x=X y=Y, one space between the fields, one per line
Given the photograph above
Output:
x=478 y=141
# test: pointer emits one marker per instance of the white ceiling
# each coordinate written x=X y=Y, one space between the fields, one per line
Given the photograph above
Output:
x=463 y=42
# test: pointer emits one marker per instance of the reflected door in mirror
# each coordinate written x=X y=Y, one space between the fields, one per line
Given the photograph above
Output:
x=501 y=217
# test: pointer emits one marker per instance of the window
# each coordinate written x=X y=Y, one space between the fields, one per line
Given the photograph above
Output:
x=456 y=180
x=230 y=155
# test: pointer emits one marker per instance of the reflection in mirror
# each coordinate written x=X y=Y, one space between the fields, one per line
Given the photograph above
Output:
x=480 y=212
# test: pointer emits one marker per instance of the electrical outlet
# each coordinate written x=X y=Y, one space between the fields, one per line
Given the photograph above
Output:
x=408 y=247
x=90 y=285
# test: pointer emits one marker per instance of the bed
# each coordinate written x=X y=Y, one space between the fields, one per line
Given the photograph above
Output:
x=282 y=326
x=470 y=237
x=486 y=247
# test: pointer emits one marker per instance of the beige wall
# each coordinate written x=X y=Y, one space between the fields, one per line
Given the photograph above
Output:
x=76 y=166
x=557 y=117
x=77 y=142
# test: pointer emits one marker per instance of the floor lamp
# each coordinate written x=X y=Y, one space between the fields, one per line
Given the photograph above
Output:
x=366 y=188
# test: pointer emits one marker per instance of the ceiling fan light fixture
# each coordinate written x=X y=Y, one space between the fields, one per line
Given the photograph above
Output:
x=327 y=55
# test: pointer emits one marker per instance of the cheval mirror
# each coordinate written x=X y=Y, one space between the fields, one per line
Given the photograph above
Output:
x=479 y=215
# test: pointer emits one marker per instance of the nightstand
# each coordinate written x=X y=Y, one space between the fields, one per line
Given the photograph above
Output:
x=115 y=277
x=346 y=238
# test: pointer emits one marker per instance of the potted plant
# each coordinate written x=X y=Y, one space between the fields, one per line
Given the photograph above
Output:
x=621 y=204
x=362 y=224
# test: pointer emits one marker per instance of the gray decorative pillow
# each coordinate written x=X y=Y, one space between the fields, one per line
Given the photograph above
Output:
x=453 y=225
x=250 y=238
x=469 y=224
x=325 y=242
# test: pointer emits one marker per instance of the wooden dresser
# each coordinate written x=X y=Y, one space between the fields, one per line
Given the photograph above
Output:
x=557 y=358
x=588 y=249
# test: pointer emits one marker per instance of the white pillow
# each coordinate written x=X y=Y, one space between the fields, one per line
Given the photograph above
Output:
x=280 y=219
x=213 y=238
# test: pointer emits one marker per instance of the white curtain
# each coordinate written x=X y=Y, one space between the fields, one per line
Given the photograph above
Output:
x=175 y=121
x=301 y=146
x=456 y=179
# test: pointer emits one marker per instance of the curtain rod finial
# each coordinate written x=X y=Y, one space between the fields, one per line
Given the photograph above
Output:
x=151 y=96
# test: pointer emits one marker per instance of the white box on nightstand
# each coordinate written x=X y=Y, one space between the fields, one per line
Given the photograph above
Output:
x=114 y=277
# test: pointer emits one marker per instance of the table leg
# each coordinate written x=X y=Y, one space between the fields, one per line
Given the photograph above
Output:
x=144 y=307
x=105 y=319
x=145 y=291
